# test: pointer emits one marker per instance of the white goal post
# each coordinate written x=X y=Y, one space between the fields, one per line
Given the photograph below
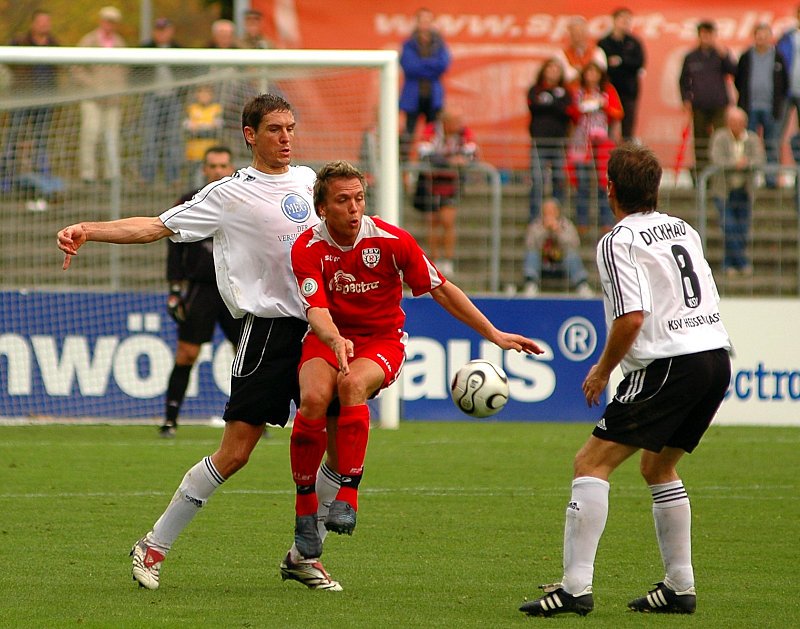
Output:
x=32 y=270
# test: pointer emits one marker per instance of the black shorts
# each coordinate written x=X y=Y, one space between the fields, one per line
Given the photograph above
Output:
x=205 y=308
x=264 y=372
x=671 y=402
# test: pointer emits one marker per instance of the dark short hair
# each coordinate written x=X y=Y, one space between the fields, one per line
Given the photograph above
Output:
x=636 y=174
x=217 y=148
x=259 y=106
x=706 y=25
x=617 y=12
x=339 y=169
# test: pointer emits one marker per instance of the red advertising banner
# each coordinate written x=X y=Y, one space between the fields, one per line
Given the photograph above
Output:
x=497 y=49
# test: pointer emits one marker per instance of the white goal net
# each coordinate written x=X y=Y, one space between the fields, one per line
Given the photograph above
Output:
x=98 y=134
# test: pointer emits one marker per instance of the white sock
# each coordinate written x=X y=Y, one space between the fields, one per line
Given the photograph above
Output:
x=327 y=486
x=586 y=518
x=672 y=514
x=193 y=492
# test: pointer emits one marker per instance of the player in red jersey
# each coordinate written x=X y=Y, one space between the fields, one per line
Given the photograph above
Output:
x=350 y=270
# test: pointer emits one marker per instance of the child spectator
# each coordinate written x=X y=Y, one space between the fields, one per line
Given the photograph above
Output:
x=203 y=125
x=447 y=145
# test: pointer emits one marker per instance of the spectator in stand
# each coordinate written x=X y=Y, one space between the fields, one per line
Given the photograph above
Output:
x=101 y=115
x=596 y=112
x=789 y=48
x=162 y=111
x=232 y=90
x=625 y=67
x=448 y=145
x=194 y=301
x=223 y=34
x=203 y=125
x=254 y=31
x=548 y=101
x=552 y=249
x=580 y=50
x=424 y=59
x=704 y=90
x=739 y=152
x=25 y=161
x=762 y=81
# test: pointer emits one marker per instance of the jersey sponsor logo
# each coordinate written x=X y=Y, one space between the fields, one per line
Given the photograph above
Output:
x=371 y=256
x=295 y=208
x=346 y=284
x=308 y=287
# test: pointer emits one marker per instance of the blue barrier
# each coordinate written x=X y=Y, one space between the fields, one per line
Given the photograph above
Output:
x=110 y=355
x=545 y=388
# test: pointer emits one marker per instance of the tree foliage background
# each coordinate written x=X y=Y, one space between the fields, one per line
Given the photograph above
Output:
x=72 y=19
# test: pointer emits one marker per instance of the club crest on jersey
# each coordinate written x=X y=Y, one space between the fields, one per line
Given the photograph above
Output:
x=295 y=208
x=371 y=256
x=308 y=287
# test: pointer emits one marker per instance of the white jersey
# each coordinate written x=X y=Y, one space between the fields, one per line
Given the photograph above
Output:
x=654 y=262
x=254 y=218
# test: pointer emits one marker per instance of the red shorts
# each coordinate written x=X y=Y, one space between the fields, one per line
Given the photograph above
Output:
x=388 y=353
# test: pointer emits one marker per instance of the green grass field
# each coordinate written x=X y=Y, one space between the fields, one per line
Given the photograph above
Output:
x=458 y=523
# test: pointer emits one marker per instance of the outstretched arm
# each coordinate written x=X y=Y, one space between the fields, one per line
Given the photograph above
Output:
x=452 y=298
x=125 y=231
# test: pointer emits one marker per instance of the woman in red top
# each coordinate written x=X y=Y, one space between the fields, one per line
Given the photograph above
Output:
x=596 y=111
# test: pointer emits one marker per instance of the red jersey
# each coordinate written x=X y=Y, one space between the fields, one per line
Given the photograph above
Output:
x=362 y=285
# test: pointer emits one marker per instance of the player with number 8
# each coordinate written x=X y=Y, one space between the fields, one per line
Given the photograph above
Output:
x=666 y=333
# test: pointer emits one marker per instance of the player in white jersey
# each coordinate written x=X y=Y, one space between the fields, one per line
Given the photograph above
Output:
x=254 y=217
x=666 y=333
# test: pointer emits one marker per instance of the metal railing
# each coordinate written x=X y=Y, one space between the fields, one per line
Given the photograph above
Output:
x=767 y=171
x=495 y=218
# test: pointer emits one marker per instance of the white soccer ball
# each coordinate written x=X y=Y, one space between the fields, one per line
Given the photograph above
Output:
x=479 y=388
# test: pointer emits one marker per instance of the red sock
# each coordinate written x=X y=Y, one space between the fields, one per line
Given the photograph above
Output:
x=352 y=433
x=306 y=449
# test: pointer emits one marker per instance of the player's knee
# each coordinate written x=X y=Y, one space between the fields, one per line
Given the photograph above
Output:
x=656 y=472
x=355 y=389
x=187 y=353
x=231 y=461
x=314 y=403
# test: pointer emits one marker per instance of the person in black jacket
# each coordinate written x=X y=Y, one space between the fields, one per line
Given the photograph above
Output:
x=548 y=99
x=194 y=300
x=703 y=88
x=762 y=82
x=626 y=60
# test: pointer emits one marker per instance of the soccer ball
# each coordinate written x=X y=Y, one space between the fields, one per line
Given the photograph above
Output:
x=480 y=388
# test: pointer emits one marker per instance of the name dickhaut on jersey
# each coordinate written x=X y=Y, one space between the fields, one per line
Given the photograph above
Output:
x=665 y=231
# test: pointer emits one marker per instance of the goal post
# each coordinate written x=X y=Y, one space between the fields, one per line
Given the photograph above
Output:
x=338 y=97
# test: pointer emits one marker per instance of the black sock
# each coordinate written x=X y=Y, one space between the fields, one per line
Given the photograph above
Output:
x=176 y=390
